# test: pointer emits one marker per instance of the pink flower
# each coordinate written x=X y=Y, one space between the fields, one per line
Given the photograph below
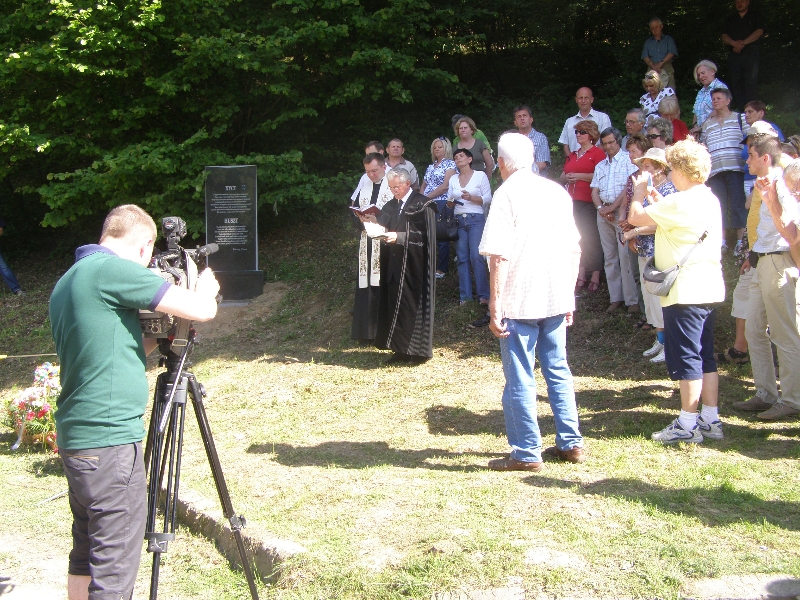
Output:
x=29 y=416
x=41 y=413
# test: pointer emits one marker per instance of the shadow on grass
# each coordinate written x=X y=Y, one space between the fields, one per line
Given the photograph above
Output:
x=714 y=506
x=359 y=455
x=456 y=420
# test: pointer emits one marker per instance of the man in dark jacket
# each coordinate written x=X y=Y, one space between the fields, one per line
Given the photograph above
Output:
x=408 y=267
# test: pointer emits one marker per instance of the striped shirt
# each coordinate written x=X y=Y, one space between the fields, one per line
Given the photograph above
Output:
x=724 y=142
x=541 y=149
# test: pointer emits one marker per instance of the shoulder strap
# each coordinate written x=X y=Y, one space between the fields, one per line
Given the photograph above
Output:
x=693 y=248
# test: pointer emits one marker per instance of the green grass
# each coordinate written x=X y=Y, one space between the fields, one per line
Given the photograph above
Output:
x=380 y=472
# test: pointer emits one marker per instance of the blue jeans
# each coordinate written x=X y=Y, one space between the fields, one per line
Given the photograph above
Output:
x=519 y=394
x=442 y=248
x=8 y=275
x=470 y=232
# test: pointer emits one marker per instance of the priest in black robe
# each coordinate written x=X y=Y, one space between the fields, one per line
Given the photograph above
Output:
x=408 y=267
x=374 y=191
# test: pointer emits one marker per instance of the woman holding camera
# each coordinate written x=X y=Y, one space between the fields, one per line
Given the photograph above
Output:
x=469 y=191
x=688 y=221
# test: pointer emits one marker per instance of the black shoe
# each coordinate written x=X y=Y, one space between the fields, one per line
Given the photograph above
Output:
x=482 y=322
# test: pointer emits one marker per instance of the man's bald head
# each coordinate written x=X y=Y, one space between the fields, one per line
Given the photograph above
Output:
x=584 y=99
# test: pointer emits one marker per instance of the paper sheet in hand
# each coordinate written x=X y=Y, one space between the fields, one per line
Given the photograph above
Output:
x=374 y=230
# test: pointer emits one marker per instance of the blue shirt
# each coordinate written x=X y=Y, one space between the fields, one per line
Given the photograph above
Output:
x=658 y=49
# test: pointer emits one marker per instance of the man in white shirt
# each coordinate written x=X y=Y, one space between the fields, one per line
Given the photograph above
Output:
x=608 y=194
x=584 y=99
x=532 y=244
x=774 y=291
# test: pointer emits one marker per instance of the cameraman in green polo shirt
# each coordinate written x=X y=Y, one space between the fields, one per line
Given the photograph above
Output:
x=94 y=312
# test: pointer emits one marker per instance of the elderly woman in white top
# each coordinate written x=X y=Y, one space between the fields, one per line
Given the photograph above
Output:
x=682 y=219
x=705 y=73
x=468 y=192
x=655 y=92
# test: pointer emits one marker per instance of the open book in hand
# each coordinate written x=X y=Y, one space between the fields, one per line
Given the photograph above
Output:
x=367 y=210
x=374 y=230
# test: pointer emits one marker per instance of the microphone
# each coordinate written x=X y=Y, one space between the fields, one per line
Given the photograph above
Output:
x=206 y=250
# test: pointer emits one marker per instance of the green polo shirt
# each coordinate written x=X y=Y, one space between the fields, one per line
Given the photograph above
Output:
x=94 y=314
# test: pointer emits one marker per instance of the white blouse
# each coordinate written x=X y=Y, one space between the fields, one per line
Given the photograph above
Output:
x=478 y=185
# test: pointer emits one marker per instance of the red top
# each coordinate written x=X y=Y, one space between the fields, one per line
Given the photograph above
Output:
x=580 y=190
x=679 y=130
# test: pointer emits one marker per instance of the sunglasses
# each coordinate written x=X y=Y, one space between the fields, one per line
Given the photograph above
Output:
x=581 y=132
x=654 y=136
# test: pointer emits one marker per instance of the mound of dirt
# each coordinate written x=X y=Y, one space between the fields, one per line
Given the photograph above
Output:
x=231 y=317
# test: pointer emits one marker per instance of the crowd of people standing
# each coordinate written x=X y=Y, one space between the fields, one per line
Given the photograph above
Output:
x=665 y=196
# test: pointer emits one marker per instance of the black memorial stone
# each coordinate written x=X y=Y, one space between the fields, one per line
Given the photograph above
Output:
x=232 y=223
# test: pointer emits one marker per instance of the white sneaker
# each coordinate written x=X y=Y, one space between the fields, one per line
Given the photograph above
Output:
x=655 y=349
x=712 y=431
x=675 y=433
x=659 y=358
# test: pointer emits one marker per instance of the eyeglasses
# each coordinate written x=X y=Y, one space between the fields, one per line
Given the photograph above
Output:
x=397 y=187
x=627 y=122
x=654 y=136
x=581 y=132
x=442 y=138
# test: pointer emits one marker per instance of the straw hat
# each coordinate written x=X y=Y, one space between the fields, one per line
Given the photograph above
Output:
x=656 y=155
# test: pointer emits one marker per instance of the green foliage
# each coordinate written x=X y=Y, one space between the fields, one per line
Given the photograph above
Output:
x=106 y=103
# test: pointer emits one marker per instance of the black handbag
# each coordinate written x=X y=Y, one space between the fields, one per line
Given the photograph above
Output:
x=446 y=226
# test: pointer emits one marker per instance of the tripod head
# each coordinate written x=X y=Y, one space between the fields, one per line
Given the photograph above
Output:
x=179 y=266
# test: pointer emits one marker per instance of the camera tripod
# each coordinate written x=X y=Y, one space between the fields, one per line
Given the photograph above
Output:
x=163 y=458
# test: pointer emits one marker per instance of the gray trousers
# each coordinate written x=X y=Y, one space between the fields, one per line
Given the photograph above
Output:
x=617 y=262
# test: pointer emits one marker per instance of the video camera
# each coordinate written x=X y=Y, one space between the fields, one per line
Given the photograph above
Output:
x=179 y=266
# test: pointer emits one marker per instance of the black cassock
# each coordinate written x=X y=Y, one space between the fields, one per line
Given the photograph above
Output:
x=408 y=267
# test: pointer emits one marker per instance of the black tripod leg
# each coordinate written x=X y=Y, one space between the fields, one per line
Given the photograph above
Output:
x=236 y=522
x=164 y=452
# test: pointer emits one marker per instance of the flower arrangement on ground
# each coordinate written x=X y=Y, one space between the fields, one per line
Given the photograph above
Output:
x=32 y=413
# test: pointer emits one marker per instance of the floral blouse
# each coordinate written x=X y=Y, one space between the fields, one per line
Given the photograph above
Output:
x=434 y=177
x=650 y=106
x=647 y=243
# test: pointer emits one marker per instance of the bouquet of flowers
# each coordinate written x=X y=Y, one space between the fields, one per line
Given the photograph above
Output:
x=32 y=413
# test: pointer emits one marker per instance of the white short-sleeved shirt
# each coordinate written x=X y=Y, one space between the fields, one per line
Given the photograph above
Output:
x=478 y=185
x=531 y=226
x=682 y=218
x=769 y=240
x=568 y=132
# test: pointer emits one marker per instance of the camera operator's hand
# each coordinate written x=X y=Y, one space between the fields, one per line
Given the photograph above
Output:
x=199 y=304
x=207 y=284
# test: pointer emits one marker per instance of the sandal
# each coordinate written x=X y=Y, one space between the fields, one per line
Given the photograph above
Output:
x=641 y=322
x=647 y=327
x=732 y=355
x=579 y=285
x=593 y=286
